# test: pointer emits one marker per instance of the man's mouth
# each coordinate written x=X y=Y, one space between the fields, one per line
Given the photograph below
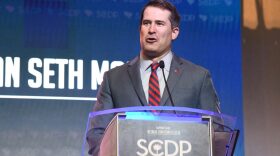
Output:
x=151 y=39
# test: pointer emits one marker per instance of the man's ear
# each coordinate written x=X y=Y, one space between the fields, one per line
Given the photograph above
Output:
x=175 y=32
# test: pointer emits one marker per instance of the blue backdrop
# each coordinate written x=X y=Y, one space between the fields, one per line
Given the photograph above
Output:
x=53 y=54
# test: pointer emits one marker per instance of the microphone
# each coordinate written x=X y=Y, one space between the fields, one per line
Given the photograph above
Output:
x=162 y=65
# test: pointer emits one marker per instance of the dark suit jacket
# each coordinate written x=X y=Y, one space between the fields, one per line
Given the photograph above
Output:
x=190 y=86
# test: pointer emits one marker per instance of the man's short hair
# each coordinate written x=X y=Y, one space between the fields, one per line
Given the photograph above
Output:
x=163 y=4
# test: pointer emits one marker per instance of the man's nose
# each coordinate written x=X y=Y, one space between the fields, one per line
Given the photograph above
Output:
x=152 y=28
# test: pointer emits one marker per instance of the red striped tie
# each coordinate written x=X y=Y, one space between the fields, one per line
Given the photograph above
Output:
x=154 y=92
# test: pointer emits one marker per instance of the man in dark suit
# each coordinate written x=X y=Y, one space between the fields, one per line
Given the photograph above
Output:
x=136 y=84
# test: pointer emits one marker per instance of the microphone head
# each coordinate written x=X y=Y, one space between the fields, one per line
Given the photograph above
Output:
x=161 y=64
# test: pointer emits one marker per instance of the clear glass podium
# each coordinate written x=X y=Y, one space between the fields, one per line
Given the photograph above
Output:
x=166 y=131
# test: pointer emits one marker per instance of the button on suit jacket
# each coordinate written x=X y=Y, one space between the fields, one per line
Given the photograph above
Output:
x=190 y=86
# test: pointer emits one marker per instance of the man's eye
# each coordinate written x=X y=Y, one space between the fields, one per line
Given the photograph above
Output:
x=146 y=23
x=160 y=23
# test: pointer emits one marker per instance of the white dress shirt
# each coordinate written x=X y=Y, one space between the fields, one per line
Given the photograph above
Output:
x=145 y=72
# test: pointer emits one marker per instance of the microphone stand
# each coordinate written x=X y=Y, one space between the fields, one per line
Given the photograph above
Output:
x=161 y=65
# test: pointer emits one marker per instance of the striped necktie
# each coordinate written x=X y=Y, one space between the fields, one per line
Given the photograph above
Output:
x=154 y=92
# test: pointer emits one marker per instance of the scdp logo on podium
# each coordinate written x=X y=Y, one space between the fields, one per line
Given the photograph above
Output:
x=163 y=147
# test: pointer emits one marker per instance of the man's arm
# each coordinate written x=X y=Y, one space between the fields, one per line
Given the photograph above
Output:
x=208 y=96
x=209 y=101
x=99 y=123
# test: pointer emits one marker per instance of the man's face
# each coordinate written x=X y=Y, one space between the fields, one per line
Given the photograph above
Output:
x=156 y=32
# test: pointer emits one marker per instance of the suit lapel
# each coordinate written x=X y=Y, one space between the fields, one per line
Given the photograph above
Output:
x=134 y=74
x=175 y=73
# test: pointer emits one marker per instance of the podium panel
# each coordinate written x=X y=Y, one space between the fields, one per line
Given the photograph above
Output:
x=163 y=136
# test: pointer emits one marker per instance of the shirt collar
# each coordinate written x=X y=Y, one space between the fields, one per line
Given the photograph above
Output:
x=145 y=64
